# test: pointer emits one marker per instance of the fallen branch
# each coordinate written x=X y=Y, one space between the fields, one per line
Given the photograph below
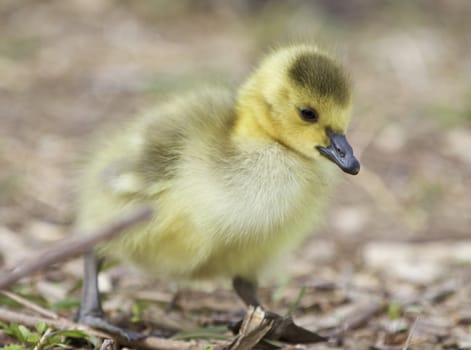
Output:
x=155 y=343
x=30 y=305
x=356 y=321
x=363 y=316
x=61 y=323
x=43 y=339
x=411 y=334
x=151 y=342
x=74 y=246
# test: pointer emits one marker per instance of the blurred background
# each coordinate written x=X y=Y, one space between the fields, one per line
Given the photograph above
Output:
x=68 y=67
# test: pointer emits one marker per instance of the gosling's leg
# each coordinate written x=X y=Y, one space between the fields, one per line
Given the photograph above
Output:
x=246 y=290
x=284 y=328
x=90 y=311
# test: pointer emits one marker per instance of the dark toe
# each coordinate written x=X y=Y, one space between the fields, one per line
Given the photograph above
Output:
x=102 y=324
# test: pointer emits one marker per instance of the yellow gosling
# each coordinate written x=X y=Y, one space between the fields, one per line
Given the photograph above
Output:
x=236 y=178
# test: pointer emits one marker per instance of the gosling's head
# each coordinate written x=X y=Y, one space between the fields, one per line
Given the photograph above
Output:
x=301 y=98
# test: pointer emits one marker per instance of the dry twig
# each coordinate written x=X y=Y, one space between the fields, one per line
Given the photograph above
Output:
x=153 y=343
x=358 y=320
x=73 y=246
x=411 y=334
x=30 y=321
x=363 y=316
x=41 y=342
x=28 y=304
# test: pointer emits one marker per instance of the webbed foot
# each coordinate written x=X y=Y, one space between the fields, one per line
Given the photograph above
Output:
x=284 y=329
x=104 y=325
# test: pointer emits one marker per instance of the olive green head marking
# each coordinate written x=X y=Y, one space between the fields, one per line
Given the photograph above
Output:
x=321 y=75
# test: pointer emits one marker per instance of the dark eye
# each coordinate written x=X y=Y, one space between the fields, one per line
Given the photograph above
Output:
x=308 y=114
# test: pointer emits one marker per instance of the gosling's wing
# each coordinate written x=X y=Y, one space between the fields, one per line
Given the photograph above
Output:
x=142 y=158
x=139 y=162
x=188 y=130
x=120 y=178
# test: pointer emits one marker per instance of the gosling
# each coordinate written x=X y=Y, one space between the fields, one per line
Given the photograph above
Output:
x=236 y=178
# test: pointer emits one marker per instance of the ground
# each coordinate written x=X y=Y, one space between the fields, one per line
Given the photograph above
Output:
x=397 y=236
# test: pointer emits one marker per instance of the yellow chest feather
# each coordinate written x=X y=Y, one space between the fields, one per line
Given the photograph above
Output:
x=229 y=221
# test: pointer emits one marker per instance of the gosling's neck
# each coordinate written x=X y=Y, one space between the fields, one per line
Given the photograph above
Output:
x=252 y=125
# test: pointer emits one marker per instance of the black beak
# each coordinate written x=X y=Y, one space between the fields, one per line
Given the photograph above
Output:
x=341 y=153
